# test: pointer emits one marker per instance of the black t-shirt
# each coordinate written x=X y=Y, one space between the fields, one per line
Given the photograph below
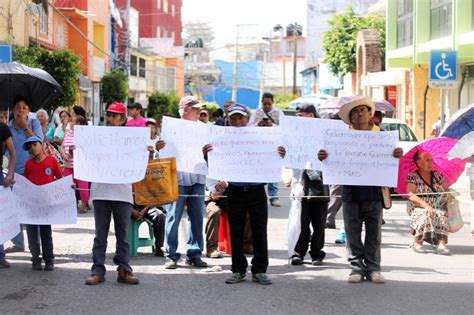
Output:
x=4 y=135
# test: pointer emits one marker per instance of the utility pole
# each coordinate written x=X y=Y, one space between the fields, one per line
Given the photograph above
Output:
x=236 y=51
x=127 y=39
x=295 y=56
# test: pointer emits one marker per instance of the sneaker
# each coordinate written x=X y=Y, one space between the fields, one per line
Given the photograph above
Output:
x=376 y=277
x=49 y=266
x=14 y=249
x=296 y=260
x=341 y=238
x=126 y=277
x=355 y=278
x=196 y=262
x=95 y=279
x=171 y=264
x=37 y=266
x=318 y=261
x=275 y=203
x=235 y=278
x=4 y=264
x=261 y=278
x=214 y=254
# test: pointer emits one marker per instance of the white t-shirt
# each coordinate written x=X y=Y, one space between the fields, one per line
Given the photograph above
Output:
x=112 y=192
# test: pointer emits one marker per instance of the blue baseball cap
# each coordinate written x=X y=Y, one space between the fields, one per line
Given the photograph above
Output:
x=237 y=109
x=31 y=140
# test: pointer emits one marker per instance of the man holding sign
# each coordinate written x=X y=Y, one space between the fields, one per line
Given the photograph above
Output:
x=362 y=204
x=116 y=200
x=189 y=184
x=246 y=198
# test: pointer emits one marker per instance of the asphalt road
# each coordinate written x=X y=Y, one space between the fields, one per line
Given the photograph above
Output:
x=416 y=283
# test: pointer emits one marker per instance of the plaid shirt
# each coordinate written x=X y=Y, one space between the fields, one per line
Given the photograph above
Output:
x=189 y=179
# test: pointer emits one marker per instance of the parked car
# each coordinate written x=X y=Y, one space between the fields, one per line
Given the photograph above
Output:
x=406 y=137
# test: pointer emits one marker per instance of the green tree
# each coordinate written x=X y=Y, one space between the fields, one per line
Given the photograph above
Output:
x=339 y=43
x=162 y=104
x=114 y=87
x=63 y=65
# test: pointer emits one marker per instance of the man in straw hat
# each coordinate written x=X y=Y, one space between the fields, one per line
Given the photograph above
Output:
x=362 y=204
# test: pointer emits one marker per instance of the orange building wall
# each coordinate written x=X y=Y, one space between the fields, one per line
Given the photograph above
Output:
x=178 y=63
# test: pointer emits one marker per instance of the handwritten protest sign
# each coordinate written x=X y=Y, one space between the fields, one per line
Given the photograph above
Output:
x=245 y=154
x=362 y=158
x=54 y=203
x=184 y=141
x=9 y=223
x=113 y=155
x=303 y=138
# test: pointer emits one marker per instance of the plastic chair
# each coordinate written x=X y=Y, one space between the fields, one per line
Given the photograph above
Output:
x=224 y=234
x=134 y=239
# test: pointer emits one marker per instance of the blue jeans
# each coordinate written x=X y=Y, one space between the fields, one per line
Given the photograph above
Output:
x=195 y=243
x=19 y=240
x=2 y=253
x=273 y=191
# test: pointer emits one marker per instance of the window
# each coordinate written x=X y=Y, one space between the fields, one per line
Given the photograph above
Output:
x=158 y=32
x=133 y=65
x=404 y=23
x=142 y=69
x=61 y=39
x=173 y=10
x=43 y=20
x=441 y=18
x=158 y=4
x=165 y=6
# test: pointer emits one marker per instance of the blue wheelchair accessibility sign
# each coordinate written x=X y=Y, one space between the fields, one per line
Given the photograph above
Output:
x=443 y=68
x=5 y=53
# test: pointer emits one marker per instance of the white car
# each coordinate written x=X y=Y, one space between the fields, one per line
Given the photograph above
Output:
x=406 y=137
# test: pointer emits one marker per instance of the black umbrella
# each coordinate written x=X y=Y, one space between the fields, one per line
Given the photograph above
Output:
x=35 y=84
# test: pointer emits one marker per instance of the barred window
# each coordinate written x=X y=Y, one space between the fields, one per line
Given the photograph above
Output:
x=133 y=65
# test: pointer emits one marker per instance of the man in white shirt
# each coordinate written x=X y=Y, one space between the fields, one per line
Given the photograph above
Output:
x=268 y=116
x=116 y=200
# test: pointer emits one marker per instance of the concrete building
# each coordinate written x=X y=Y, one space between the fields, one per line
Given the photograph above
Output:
x=159 y=32
x=414 y=28
x=91 y=43
x=14 y=22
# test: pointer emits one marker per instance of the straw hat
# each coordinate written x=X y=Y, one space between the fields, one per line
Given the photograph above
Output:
x=353 y=102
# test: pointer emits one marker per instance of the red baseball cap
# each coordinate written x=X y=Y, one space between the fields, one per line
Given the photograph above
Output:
x=117 y=108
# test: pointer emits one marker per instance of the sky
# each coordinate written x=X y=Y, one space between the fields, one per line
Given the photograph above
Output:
x=224 y=15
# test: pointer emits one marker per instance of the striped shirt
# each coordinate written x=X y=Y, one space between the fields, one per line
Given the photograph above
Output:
x=67 y=142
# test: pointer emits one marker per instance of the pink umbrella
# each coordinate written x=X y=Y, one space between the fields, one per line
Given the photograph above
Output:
x=439 y=149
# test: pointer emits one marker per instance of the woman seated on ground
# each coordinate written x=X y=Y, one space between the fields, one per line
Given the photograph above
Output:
x=428 y=205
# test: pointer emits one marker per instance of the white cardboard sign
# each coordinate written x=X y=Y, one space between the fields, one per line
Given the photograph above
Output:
x=361 y=158
x=246 y=154
x=111 y=155
x=53 y=203
x=303 y=138
x=184 y=141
